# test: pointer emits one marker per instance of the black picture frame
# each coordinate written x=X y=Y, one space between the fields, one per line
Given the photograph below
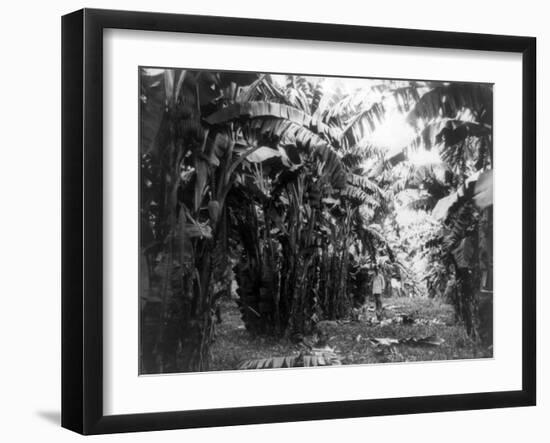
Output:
x=82 y=215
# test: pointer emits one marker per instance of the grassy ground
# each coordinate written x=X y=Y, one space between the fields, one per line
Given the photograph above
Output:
x=352 y=340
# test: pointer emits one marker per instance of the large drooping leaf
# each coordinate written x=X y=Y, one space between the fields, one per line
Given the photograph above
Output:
x=483 y=191
x=448 y=100
x=297 y=99
x=430 y=340
x=448 y=132
x=194 y=230
x=376 y=231
x=477 y=188
x=262 y=154
x=270 y=362
x=365 y=184
x=257 y=109
x=363 y=124
x=432 y=178
x=441 y=209
x=448 y=114
x=317 y=96
x=314 y=357
x=352 y=161
x=359 y=197
x=288 y=133
x=456 y=131
x=442 y=132
x=406 y=96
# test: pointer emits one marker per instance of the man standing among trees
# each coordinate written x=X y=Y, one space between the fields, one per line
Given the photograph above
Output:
x=378 y=285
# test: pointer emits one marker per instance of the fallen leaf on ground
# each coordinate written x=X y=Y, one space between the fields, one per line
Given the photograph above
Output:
x=384 y=341
x=431 y=340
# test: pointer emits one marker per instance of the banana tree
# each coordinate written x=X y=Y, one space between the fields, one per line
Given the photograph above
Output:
x=231 y=165
x=457 y=120
x=278 y=223
x=187 y=172
x=306 y=191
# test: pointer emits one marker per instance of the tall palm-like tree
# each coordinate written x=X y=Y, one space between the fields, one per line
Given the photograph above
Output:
x=457 y=120
x=234 y=167
x=306 y=196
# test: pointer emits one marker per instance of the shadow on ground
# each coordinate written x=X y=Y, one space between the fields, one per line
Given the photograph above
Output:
x=53 y=417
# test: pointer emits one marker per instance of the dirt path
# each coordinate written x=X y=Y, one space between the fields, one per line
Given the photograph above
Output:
x=352 y=340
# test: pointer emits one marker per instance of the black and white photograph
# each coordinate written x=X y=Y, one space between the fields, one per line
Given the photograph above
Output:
x=254 y=222
x=292 y=221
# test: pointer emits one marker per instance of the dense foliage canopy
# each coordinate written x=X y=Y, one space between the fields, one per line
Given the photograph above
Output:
x=279 y=191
